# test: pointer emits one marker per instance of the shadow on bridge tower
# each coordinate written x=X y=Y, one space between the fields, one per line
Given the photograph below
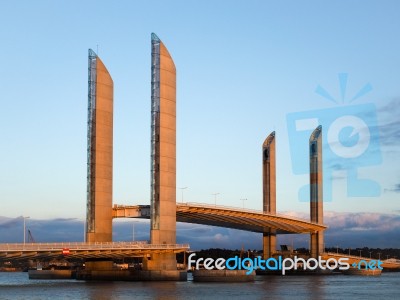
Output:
x=269 y=192
x=316 y=191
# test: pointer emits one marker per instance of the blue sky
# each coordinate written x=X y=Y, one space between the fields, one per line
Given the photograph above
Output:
x=243 y=67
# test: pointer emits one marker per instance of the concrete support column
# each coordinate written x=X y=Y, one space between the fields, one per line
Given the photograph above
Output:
x=269 y=192
x=269 y=245
x=316 y=191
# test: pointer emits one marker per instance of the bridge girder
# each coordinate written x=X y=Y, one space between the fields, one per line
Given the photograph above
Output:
x=228 y=217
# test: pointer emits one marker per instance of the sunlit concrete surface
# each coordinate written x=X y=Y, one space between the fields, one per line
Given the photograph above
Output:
x=163 y=155
x=100 y=152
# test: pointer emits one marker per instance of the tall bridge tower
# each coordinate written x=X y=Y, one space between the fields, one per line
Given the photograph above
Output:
x=316 y=191
x=163 y=155
x=99 y=152
x=269 y=192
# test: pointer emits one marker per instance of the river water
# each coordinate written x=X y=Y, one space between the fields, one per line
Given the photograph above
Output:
x=386 y=286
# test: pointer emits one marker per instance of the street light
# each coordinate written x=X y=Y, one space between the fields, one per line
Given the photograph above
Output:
x=215 y=198
x=360 y=252
x=244 y=199
x=133 y=230
x=183 y=188
x=84 y=230
x=25 y=228
x=370 y=254
x=379 y=253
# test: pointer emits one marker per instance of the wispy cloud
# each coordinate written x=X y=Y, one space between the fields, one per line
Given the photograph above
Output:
x=392 y=107
x=10 y=222
x=390 y=131
x=395 y=189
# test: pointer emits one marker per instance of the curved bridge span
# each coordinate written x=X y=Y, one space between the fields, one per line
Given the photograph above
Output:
x=229 y=217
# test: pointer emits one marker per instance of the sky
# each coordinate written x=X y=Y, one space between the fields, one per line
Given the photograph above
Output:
x=244 y=69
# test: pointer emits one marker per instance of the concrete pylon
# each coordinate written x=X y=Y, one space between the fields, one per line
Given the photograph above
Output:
x=269 y=192
x=163 y=156
x=99 y=152
x=316 y=191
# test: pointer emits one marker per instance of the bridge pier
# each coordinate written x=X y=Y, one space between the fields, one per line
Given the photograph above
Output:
x=162 y=261
x=316 y=192
x=269 y=192
x=269 y=245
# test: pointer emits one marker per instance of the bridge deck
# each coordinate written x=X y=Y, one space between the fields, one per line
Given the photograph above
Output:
x=223 y=216
x=85 y=250
x=386 y=264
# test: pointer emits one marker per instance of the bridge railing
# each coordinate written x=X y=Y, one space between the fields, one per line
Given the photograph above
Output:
x=88 y=246
x=346 y=255
x=388 y=261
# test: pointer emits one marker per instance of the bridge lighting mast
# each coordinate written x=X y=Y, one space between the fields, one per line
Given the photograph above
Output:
x=25 y=228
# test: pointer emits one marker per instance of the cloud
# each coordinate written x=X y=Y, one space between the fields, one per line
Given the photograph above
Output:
x=10 y=222
x=353 y=230
x=370 y=221
x=392 y=107
x=64 y=219
x=395 y=189
x=363 y=229
x=390 y=132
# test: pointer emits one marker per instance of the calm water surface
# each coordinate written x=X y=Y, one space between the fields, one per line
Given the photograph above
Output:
x=386 y=286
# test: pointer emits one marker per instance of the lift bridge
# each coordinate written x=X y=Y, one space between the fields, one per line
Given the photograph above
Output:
x=198 y=213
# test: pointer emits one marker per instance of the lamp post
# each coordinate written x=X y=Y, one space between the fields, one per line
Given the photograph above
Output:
x=370 y=252
x=133 y=230
x=183 y=188
x=25 y=228
x=379 y=255
x=244 y=199
x=84 y=230
x=360 y=252
x=215 y=198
